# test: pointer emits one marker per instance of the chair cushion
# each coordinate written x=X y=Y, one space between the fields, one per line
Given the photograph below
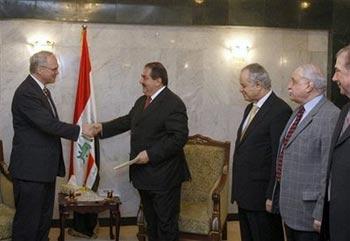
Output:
x=6 y=217
x=194 y=217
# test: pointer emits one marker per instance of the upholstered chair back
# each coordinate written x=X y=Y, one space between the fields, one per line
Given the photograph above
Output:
x=208 y=163
x=7 y=210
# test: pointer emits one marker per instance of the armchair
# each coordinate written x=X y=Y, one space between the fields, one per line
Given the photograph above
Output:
x=7 y=210
x=204 y=200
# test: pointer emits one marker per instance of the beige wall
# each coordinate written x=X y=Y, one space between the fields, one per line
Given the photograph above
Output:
x=199 y=65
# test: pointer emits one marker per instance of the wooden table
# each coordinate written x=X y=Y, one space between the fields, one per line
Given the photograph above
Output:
x=67 y=204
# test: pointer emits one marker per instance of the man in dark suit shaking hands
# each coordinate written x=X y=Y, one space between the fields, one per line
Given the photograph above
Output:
x=254 y=156
x=36 y=157
x=159 y=131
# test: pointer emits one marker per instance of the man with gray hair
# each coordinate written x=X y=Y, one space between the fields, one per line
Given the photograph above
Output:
x=337 y=209
x=36 y=157
x=255 y=152
x=303 y=155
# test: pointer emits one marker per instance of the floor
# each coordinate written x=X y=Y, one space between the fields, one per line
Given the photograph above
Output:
x=128 y=233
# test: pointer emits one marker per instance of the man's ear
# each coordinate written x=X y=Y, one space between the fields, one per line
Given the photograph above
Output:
x=310 y=86
x=258 y=84
x=159 y=81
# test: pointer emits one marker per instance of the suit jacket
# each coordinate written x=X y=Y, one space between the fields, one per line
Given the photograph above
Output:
x=338 y=177
x=160 y=129
x=36 y=147
x=254 y=155
x=304 y=166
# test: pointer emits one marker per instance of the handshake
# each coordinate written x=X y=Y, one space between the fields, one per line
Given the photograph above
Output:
x=91 y=130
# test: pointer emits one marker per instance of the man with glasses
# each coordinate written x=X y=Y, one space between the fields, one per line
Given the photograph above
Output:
x=36 y=157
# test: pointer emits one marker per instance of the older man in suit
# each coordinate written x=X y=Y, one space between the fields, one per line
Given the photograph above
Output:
x=255 y=151
x=159 y=131
x=36 y=157
x=337 y=209
x=303 y=154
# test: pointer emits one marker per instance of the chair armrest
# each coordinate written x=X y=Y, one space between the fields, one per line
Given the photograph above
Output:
x=219 y=201
x=4 y=170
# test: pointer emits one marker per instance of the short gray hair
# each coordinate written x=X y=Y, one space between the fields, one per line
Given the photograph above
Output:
x=258 y=73
x=38 y=59
x=314 y=74
x=345 y=50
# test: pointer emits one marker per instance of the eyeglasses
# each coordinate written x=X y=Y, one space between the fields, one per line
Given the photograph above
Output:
x=52 y=69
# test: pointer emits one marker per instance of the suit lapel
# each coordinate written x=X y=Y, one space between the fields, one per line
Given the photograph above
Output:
x=141 y=113
x=258 y=117
x=306 y=121
x=341 y=138
x=246 y=112
x=42 y=96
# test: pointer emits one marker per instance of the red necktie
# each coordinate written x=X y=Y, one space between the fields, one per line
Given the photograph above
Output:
x=290 y=132
x=49 y=98
x=147 y=102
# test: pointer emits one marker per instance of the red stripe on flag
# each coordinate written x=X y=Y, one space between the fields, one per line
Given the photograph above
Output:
x=91 y=162
x=83 y=90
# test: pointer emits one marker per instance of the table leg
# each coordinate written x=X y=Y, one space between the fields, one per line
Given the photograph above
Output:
x=111 y=236
x=62 y=225
x=117 y=224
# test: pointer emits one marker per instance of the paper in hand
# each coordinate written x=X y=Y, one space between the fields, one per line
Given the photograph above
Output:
x=125 y=164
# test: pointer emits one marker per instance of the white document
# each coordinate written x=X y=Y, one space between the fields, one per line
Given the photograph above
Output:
x=125 y=164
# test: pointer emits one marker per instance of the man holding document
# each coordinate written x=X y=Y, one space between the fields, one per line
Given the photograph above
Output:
x=159 y=131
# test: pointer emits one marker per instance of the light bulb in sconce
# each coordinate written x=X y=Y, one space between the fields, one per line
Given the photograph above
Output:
x=239 y=53
x=305 y=5
x=37 y=44
x=199 y=1
x=237 y=49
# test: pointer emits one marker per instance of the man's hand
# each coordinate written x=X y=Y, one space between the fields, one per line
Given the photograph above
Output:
x=142 y=157
x=88 y=130
x=317 y=225
x=97 y=127
x=91 y=130
x=268 y=205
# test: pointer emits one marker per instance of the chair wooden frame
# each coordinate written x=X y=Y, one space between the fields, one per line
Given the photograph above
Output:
x=3 y=165
x=217 y=231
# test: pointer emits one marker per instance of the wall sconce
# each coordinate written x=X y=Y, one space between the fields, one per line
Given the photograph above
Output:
x=199 y=1
x=40 y=44
x=239 y=52
x=305 y=5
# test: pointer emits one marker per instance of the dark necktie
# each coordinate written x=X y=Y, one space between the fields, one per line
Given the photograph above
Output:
x=52 y=105
x=147 y=102
x=290 y=132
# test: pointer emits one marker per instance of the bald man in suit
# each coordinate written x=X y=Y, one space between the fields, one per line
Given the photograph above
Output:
x=303 y=155
x=36 y=157
x=254 y=155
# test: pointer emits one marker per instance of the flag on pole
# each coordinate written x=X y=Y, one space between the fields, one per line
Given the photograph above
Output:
x=83 y=169
x=84 y=156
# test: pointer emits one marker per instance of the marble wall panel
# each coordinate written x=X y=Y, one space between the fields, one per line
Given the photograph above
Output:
x=200 y=67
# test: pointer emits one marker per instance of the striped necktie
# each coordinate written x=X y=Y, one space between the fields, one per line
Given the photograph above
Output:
x=290 y=132
x=49 y=98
